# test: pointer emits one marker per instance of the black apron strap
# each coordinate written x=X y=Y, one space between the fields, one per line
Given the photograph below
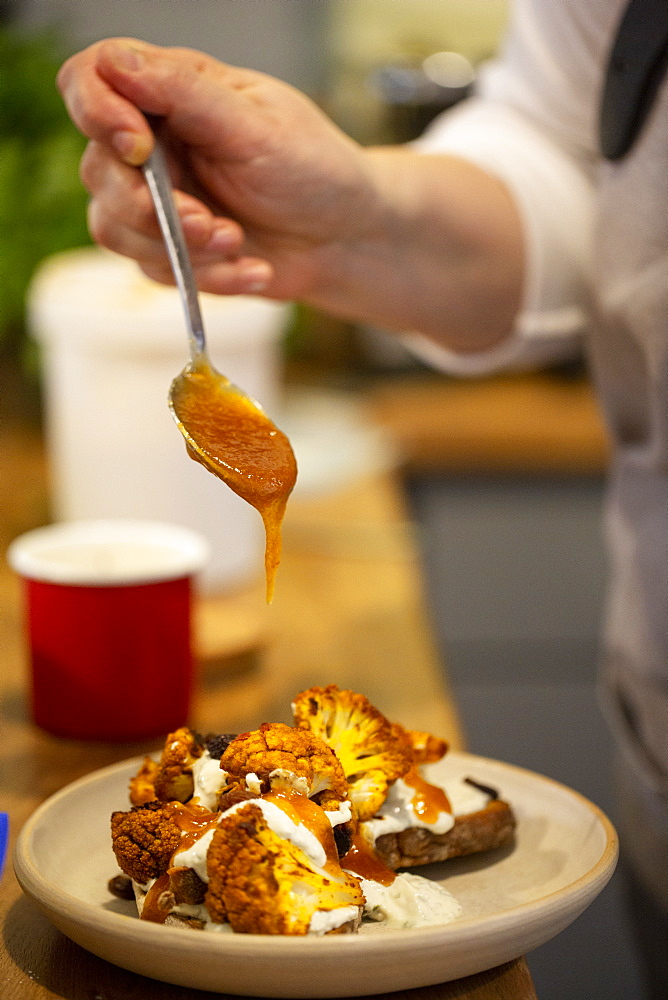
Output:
x=635 y=69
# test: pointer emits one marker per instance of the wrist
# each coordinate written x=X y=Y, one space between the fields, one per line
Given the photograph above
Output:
x=438 y=250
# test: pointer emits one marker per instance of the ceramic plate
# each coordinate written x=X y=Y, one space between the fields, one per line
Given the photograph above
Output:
x=513 y=899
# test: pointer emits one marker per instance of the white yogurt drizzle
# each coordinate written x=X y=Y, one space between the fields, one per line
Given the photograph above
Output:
x=397 y=812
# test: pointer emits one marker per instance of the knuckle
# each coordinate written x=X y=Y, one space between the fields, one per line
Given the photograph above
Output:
x=85 y=120
x=88 y=167
x=99 y=227
x=156 y=271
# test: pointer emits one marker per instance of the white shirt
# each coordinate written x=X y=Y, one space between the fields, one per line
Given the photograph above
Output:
x=534 y=125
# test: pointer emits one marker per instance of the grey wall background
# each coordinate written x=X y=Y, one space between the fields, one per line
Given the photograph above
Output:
x=282 y=37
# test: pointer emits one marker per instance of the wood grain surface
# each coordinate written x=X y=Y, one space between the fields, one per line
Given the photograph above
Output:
x=526 y=424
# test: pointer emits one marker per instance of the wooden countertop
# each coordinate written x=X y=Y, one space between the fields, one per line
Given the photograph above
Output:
x=528 y=424
x=348 y=607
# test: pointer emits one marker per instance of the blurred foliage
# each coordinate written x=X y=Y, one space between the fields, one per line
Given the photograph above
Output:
x=42 y=201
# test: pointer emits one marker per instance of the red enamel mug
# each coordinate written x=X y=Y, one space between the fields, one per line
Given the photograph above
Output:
x=108 y=620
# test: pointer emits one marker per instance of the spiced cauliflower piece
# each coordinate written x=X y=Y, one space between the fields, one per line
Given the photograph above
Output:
x=142 y=785
x=426 y=749
x=144 y=840
x=170 y=779
x=367 y=745
x=261 y=883
x=281 y=755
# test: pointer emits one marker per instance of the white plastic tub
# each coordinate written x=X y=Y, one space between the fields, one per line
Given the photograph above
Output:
x=112 y=341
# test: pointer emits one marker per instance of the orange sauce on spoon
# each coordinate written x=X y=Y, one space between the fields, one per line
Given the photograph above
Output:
x=232 y=437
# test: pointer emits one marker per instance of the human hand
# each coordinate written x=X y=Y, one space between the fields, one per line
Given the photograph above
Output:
x=268 y=188
x=276 y=200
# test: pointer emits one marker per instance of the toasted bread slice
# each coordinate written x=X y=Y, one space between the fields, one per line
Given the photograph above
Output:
x=491 y=827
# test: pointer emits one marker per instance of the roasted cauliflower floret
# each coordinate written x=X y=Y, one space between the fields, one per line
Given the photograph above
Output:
x=142 y=786
x=144 y=840
x=367 y=746
x=427 y=749
x=283 y=756
x=263 y=884
x=173 y=779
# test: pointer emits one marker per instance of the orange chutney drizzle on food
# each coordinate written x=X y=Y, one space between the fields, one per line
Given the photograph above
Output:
x=363 y=861
x=151 y=910
x=239 y=444
x=193 y=821
x=303 y=810
x=428 y=800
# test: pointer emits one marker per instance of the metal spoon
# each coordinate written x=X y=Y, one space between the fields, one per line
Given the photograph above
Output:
x=225 y=430
x=159 y=183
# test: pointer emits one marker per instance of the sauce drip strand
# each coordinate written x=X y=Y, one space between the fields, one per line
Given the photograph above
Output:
x=231 y=436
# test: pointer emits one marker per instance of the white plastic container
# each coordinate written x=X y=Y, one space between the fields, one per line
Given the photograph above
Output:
x=112 y=341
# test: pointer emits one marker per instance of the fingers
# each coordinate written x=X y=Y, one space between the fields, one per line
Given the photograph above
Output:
x=240 y=276
x=122 y=190
x=121 y=216
x=137 y=234
x=108 y=86
x=214 y=246
x=222 y=131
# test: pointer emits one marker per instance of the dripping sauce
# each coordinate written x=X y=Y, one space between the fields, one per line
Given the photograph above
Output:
x=193 y=821
x=234 y=439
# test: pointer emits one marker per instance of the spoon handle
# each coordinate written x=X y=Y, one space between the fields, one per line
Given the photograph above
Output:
x=159 y=184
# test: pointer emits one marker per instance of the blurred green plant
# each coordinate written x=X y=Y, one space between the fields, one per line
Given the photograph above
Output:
x=42 y=201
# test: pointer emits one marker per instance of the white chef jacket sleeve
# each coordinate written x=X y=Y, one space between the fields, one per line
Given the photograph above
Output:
x=549 y=172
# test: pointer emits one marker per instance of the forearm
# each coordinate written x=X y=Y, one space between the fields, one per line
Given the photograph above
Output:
x=441 y=252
